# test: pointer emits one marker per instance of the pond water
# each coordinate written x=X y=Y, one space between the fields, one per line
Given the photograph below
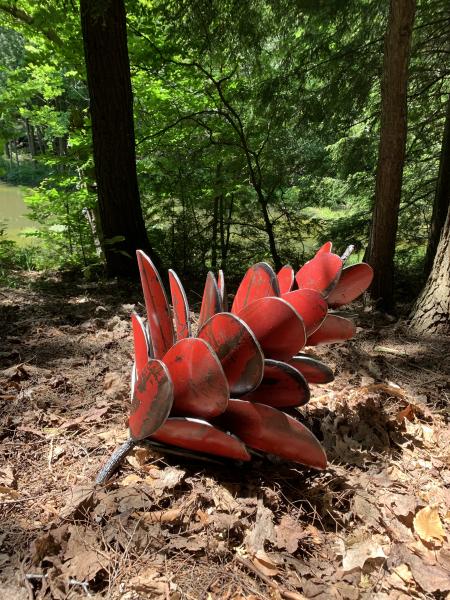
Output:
x=12 y=212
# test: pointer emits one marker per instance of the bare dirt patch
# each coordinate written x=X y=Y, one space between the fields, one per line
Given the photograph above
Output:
x=375 y=524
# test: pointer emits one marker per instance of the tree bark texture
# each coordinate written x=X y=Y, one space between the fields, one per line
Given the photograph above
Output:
x=391 y=154
x=432 y=311
x=103 y=25
x=442 y=197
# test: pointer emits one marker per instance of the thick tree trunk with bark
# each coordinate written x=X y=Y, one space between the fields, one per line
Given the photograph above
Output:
x=391 y=154
x=108 y=73
x=432 y=311
x=442 y=197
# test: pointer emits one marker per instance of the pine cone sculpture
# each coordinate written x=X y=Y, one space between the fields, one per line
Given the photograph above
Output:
x=222 y=392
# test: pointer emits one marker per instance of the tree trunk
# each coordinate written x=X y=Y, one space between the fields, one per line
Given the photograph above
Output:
x=16 y=152
x=442 y=197
x=215 y=220
x=103 y=25
x=30 y=137
x=391 y=155
x=41 y=141
x=225 y=230
x=214 y=230
x=432 y=311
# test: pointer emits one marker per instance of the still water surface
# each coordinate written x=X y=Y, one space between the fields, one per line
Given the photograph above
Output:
x=12 y=211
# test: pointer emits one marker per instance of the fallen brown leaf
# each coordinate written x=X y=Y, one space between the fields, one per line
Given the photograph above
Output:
x=159 y=516
x=151 y=583
x=79 y=499
x=92 y=416
x=82 y=556
x=113 y=383
x=288 y=533
x=7 y=476
x=166 y=479
x=431 y=578
x=356 y=555
x=427 y=524
x=262 y=530
x=264 y=563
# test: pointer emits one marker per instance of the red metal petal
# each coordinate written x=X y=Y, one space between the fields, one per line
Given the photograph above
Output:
x=285 y=278
x=321 y=273
x=269 y=430
x=333 y=329
x=259 y=281
x=142 y=348
x=353 y=282
x=180 y=307
x=282 y=386
x=200 y=387
x=277 y=326
x=325 y=249
x=313 y=370
x=158 y=312
x=152 y=400
x=200 y=436
x=223 y=290
x=238 y=351
x=310 y=305
x=211 y=301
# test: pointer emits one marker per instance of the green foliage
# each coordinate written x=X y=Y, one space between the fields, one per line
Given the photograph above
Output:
x=249 y=116
x=27 y=173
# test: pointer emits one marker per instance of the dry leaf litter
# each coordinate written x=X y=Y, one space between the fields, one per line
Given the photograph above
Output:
x=375 y=524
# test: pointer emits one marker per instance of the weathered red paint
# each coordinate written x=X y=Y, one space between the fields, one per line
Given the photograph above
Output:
x=310 y=305
x=353 y=281
x=259 y=281
x=211 y=301
x=313 y=370
x=158 y=312
x=223 y=290
x=277 y=326
x=286 y=279
x=282 y=386
x=238 y=350
x=269 y=430
x=200 y=387
x=321 y=273
x=200 y=436
x=142 y=348
x=333 y=329
x=180 y=307
x=325 y=249
x=152 y=400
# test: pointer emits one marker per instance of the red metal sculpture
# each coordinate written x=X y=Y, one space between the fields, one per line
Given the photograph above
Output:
x=222 y=391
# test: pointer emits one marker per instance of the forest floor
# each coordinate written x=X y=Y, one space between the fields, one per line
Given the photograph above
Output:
x=375 y=524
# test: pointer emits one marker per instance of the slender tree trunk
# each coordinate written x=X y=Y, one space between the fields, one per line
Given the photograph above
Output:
x=222 y=231
x=441 y=198
x=7 y=151
x=16 y=153
x=269 y=229
x=30 y=137
x=11 y=149
x=432 y=311
x=103 y=25
x=215 y=221
x=391 y=155
x=41 y=141
x=225 y=231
